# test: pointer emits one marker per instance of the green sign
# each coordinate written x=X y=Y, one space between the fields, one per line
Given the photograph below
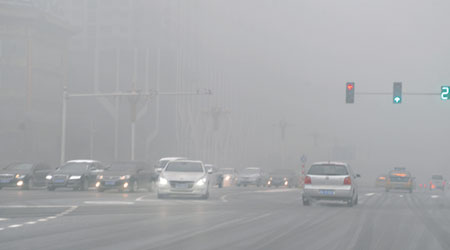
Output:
x=445 y=92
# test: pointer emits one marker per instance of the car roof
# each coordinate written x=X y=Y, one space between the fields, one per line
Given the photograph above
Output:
x=330 y=163
x=82 y=161
x=192 y=161
x=172 y=158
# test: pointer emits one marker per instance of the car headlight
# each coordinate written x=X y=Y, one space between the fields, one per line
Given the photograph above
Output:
x=201 y=182
x=100 y=177
x=227 y=178
x=48 y=177
x=75 y=177
x=124 y=177
x=20 y=176
x=163 y=181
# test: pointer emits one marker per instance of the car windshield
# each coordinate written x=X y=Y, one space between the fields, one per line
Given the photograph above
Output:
x=328 y=170
x=74 y=167
x=122 y=166
x=20 y=166
x=180 y=166
x=250 y=171
x=437 y=177
x=162 y=164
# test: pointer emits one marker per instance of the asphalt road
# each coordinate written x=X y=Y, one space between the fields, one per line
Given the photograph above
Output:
x=233 y=218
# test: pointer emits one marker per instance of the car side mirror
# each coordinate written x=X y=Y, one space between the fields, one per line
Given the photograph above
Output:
x=358 y=176
x=210 y=171
x=158 y=170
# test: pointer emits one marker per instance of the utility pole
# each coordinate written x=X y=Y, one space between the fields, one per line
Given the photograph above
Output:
x=133 y=96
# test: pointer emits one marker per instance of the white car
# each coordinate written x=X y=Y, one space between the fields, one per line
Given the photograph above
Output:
x=183 y=178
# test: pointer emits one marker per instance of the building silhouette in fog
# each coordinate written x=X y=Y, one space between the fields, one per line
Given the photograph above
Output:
x=33 y=70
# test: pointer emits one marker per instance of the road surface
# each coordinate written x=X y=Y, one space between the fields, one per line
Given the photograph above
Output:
x=233 y=218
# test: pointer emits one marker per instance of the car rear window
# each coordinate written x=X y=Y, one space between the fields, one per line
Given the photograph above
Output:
x=399 y=179
x=328 y=170
x=437 y=177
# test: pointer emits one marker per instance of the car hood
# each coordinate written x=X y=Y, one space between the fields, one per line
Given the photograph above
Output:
x=68 y=172
x=14 y=172
x=249 y=175
x=117 y=173
x=182 y=176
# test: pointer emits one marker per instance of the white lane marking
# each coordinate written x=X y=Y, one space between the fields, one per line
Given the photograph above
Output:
x=109 y=202
x=69 y=210
x=276 y=191
x=3 y=219
x=140 y=198
x=370 y=194
x=223 y=198
x=35 y=206
x=401 y=196
x=15 y=225
x=434 y=196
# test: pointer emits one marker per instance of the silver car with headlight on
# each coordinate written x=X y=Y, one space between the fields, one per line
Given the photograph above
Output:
x=330 y=181
x=183 y=178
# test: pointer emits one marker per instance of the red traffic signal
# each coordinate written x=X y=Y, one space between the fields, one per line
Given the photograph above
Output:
x=350 y=92
x=349 y=86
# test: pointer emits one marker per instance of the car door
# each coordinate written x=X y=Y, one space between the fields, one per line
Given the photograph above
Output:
x=145 y=174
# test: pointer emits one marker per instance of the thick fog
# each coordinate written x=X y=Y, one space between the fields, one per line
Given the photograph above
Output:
x=268 y=64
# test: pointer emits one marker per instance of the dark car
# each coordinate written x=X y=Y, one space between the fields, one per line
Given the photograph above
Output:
x=78 y=174
x=437 y=182
x=283 y=178
x=24 y=175
x=128 y=175
x=251 y=176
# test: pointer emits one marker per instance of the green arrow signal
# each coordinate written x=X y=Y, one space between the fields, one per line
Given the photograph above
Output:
x=397 y=99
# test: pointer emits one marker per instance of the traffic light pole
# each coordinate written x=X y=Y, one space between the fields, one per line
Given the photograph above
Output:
x=134 y=95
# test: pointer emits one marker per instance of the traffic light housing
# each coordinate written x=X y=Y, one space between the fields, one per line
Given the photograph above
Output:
x=397 y=93
x=350 y=92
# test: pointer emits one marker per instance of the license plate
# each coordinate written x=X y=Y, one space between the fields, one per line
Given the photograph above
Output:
x=110 y=183
x=326 y=192
x=58 y=181
x=181 y=185
x=5 y=181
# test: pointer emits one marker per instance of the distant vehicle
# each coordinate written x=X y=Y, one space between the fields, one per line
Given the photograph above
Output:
x=229 y=176
x=251 y=176
x=163 y=162
x=399 y=179
x=283 y=177
x=330 y=181
x=381 y=181
x=127 y=175
x=437 y=182
x=215 y=177
x=77 y=174
x=24 y=175
x=184 y=178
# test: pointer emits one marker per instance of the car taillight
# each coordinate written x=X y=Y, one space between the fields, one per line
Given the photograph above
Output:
x=443 y=183
x=347 y=181
x=307 y=180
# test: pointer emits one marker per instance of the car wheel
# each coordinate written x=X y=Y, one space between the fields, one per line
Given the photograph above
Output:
x=356 y=200
x=100 y=190
x=26 y=185
x=350 y=203
x=160 y=196
x=206 y=196
x=134 y=187
x=410 y=191
x=306 y=202
x=84 y=185
x=50 y=188
x=387 y=190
